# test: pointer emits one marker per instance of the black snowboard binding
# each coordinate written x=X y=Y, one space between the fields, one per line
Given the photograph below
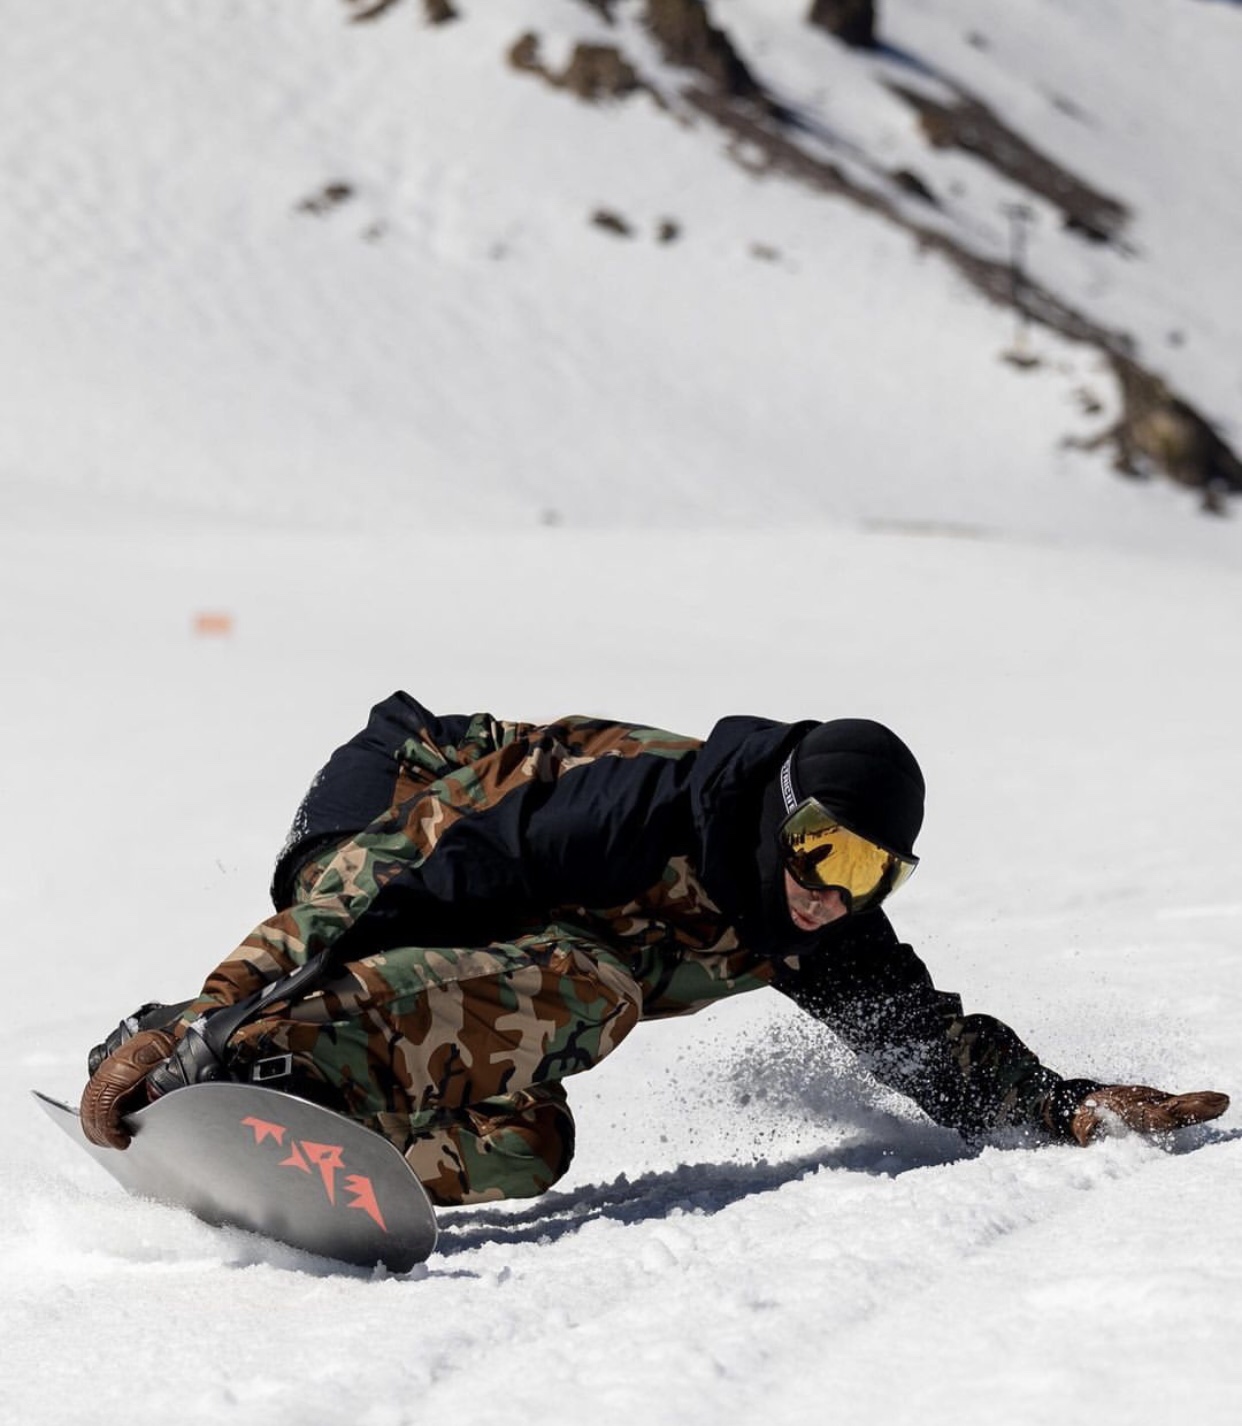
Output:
x=154 y=1015
x=201 y=1055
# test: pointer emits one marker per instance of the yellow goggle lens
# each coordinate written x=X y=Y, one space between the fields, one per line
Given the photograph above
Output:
x=820 y=852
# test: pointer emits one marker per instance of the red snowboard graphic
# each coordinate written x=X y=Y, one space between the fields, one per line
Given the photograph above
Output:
x=241 y=1156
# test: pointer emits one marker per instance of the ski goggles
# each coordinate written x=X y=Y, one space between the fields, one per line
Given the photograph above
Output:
x=820 y=851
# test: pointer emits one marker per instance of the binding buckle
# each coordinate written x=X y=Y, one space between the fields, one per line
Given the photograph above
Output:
x=273 y=1068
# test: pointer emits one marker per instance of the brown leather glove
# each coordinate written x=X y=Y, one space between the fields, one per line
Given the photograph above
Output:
x=120 y=1084
x=1144 y=1109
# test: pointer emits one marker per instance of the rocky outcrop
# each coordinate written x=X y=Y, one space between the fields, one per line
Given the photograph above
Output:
x=330 y=196
x=850 y=21
x=612 y=222
x=1161 y=433
x=597 y=72
x=1158 y=431
x=436 y=12
x=971 y=126
x=594 y=72
x=360 y=11
x=687 y=38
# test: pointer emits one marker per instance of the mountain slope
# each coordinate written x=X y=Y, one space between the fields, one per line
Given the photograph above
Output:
x=267 y=264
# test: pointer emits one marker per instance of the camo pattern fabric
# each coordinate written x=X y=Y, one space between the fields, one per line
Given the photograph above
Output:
x=456 y=1053
x=414 y=1067
x=444 y=784
x=513 y=1146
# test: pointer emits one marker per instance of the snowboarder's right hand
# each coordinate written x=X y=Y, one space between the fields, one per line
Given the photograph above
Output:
x=120 y=1084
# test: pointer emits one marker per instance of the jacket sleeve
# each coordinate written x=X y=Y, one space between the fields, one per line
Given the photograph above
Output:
x=968 y=1072
x=511 y=819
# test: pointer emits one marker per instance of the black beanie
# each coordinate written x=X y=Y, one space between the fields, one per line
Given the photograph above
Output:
x=865 y=774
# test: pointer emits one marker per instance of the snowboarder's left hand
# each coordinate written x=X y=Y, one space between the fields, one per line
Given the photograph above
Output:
x=1144 y=1109
x=120 y=1084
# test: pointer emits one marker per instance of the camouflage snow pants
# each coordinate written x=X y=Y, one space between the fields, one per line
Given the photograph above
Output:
x=457 y=1055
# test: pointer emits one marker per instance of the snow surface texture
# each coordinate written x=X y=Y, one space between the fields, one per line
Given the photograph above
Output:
x=219 y=405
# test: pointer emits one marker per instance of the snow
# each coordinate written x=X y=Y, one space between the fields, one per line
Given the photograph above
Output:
x=495 y=456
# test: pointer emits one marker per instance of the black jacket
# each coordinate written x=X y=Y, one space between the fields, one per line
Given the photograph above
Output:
x=580 y=820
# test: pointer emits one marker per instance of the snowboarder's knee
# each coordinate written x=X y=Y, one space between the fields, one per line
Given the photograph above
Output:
x=512 y=1146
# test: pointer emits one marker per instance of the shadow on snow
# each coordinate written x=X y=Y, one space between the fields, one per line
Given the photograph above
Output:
x=701 y=1189
x=706 y=1189
x=690 y=1188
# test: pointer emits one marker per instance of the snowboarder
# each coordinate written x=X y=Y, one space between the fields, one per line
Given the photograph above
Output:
x=475 y=910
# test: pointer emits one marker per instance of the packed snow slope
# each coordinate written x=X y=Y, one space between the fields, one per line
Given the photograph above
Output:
x=805 y=486
x=752 y=1227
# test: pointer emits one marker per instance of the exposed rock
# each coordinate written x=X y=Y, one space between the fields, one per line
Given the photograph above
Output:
x=612 y=222
x=360 y=11
x=524 y=54
x=909 y=182
x=1022 y=357
x=1088 y=401
x=668 y=230
x=436 y=12
x=594 y=72
x=599 y=72
x=330 y=196
x=1162 y=432
x=850 y=21
x=763 y=146
x=971 y=126
x=688 y=39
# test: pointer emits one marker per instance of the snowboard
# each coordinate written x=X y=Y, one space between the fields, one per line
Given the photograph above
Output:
x=241 y=1156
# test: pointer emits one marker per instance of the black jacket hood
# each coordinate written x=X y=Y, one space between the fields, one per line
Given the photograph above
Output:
x=735 y=859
